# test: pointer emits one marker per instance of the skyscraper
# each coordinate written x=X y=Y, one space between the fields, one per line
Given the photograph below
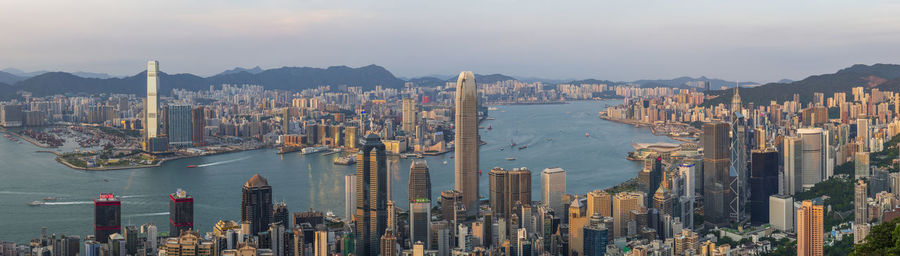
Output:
x=862 y=134
x=371 y=196
x=107 y=217
x=256 y=204
x=419 y=221
x=813 y=156
x=763 y=176
x=810 y=229
x=198 y=123
x=349 y=196
x=716 y=177
x=179 y=123
x=553 y=186
x=598 y=201
x=389 y=243
x=419 y=181
x=466 y=139
x=181 y=212
x=408 y=124
x=793 y=148
x=859 y=203
x=281 y=215
x=508 y=187
x=623 y=204
x=596 y=236
x=152 y=107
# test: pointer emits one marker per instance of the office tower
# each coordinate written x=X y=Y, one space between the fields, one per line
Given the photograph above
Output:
x=349 y=196
x=408 y=124
x=507 y=188
x=716 y=176
x=688 y=173
x=553 y=186
x=578 y=219
x=188 y=244
x=419 y=221
x=281 y=215
x=739 y=191
x=859 y=203
x=861 y=165
x=198 y=124
x=596 y=236
x=466 y=140
x=286 y=121
x=371 y=196
x=107 y=217
x=813 y=156
x=793 y=163
x=598 y=201
x=179 y=124
x=256 y=204
x=181 y=212
x=781 y=212
x=763 y=177
x=686 y=243
x=391 y=215
x=11 y=115
x=419 y=181
x=389 y=243
x=449 y=201
x=464 y=238
x=152 y=103
x=810 y=229
x=623 y=204
x=653 y=175
x=862 y=134
x=321 y=243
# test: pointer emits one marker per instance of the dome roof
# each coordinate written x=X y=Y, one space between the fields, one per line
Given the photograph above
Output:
x=256 y=181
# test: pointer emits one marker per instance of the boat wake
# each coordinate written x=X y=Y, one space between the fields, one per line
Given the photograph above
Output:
x=68 y=203
x=148 y=214
x=223 y=162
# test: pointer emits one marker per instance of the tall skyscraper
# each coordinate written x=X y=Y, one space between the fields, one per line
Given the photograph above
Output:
x=716 y=176
x=389 y=243
x=859 y=203
x=107 y=217
x=596 y=236
x=419 y=181
x=281 y=215
x=861 y=165
x=371 y=196
x=813 y=156
x=862 y=134
x=256 y=204
x=623 y=204
x=599 y=202
x=793 y=162
x=419 y=221
x=152 y=107
x=810 y=228
x=763 y=176
x=179 y=123
x=781 y=212
x=508 y=187
x=198 y=124
x=181 y=212
x=408 y=124
x=349 y=196
x=466 y=139
x=553 y=186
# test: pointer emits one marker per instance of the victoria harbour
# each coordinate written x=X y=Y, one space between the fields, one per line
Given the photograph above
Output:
x=554 y=134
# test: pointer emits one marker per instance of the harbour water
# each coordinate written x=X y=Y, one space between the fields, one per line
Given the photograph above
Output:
x=554 y=134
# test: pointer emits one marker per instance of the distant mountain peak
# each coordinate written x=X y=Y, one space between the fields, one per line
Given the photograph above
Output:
x=254 y=70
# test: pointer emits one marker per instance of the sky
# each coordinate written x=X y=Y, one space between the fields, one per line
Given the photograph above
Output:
x=617 y=40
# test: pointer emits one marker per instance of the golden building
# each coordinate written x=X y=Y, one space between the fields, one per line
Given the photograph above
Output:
x=810 y=228
x=598 y=201
x=623 y=204
x=188 y=244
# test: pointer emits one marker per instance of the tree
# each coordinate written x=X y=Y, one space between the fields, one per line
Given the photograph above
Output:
x=883 y=239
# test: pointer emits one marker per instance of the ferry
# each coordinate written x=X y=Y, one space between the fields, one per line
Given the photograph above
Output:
x=510 y=159
x=587 y=135
x=445 y=162
x=345 y=160
x=523 y=147
x=35 y=203
x=192 y=166
x=310 y=150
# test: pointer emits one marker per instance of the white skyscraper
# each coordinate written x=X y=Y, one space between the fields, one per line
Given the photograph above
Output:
x=466 y=148
x=152 y=107
x=553 y=186
x=349 y=196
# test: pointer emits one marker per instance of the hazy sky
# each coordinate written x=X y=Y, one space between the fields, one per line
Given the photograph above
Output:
x=618 y=40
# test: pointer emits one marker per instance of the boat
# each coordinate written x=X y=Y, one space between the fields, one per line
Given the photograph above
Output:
x=310 y=150
x=501 y=149
x=587 y=135
x=512 y=143
x=445 y=162
x=523 y=147
x=345 y=160
x=49 y=198
x=490 y=127
x=510 y=159
x=192 y=166
x=35 y=203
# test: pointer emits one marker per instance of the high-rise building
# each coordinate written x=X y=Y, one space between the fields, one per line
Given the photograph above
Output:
x=408 y=124
x=256 y=204
x=371 y=195
x=686 y=243
x=862 y=134
x=623 y=204
x=553 y=186
x=598 y=201
x=281 y=215
x=107 y=217
x=181 y=212
x=508 y=187
x=349 y=196
x=389 y=243
x=179 y=125
x=763 y=177
x=781 y=212
x=419 y=181
x=466 y=140
x=419 y=221
x=321 y=243
x=11 y=115
x=861 y=165
x=793 y=163
x=813 y=157
x=596 y=236
x=188 y=244
x=152 y=103
x=198 y=124
x=859 y=203
x=716 y=174
x=810 y=228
